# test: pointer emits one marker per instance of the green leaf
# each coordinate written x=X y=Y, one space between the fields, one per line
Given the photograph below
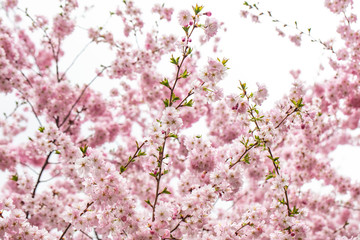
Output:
x=282 y=201
x=174 y=98
x=15 y=177
x=247 y=158
x=166 y=102
x=188 y=103
x=295 y=210
x=174 y=61
x=159 y=149
x=122 y=169
x=41 y=129
x=165 y=191
x=153 y=175
x=185 y=74
x=197 y=9
x=57 y=152
x=246 y=3
x=84 y=149
x=189 y=51
x=186 y=29
x=165 y=82
x=165 y=172
x=141 y=153
x=148 y=202
x=173 y=135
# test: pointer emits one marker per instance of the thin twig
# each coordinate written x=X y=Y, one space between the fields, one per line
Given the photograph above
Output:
x=86 y=234
x=69 y=225
x=75 y=59
x=81 y=94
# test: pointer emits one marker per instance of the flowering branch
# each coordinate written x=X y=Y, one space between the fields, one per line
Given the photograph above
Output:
x=69 y=225
x=137 y=153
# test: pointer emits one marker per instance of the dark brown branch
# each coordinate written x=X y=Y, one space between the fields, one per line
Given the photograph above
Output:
x=41 y=172
x=86 y=234
x=183 y=219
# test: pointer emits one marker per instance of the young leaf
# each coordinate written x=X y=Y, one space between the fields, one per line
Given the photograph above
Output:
x=185 y=74
x=122 y=169
x=165 y=191
x=165 y=82
x=188 y=103
x=141 y=153
x=148 y=202
x=174 y=98
x=173 y=135
x=174 y=61
x=15 y=177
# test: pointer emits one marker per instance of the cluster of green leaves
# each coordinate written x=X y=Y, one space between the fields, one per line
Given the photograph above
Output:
x=272 y=174
x=175 y=61
x=197 y=9
x=84 y=149
x=298 y=104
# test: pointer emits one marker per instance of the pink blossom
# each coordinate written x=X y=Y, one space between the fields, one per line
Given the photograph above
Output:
x=296 y=39
x=185 y=17
x=211 y=27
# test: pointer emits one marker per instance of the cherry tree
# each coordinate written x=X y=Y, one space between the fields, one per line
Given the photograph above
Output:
x=126 y=164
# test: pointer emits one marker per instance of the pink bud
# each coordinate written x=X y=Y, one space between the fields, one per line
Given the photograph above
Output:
x=190 y=40
x=183 y=39
x=191 y=23
x=207 y=14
